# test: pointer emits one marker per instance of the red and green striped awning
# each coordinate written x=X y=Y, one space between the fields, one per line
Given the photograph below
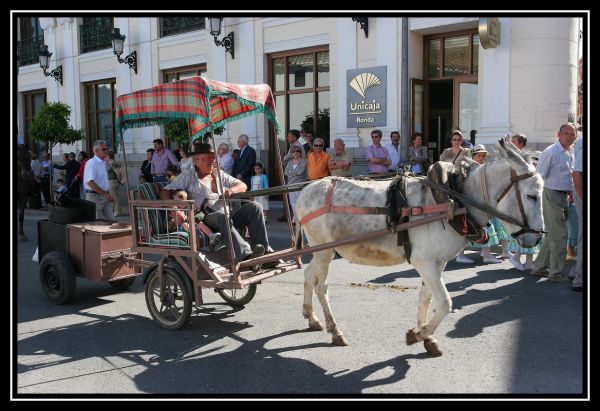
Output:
x=204 y=103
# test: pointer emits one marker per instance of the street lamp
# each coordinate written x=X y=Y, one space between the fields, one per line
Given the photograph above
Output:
x=215 y=30
x=117 y=42
x=45 y=55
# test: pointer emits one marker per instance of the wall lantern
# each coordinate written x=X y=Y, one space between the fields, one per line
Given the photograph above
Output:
x=364 y=24
x=215 y=30
x=117 y=41
x=45 y=63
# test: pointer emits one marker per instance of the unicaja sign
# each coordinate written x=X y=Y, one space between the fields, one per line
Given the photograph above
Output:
x=366 y=97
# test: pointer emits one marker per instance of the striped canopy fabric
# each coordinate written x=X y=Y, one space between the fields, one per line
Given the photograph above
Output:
x=205 y=103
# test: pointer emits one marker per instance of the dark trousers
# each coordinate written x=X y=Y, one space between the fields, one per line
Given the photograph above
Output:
x=249 y=215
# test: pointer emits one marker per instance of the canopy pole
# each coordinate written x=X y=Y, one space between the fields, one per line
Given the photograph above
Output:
x=232 y=256
x=286 y=204
x=126 y=172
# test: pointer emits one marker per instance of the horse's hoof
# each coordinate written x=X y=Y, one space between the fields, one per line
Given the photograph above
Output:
x=411 y=337
x=339 y=340
x=316 y=325
x=23 y=237
x=433 y=348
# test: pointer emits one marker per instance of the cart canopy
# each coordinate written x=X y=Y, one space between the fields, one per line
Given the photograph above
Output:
x=205 y=103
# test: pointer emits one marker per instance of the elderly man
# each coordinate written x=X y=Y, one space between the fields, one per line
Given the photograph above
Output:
x=555 y=167
x=243 y=168
x=200 y=182
x=95 y=181
x=225 y=159
x=340 y=163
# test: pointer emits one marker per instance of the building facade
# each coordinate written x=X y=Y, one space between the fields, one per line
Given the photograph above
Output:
x=527 y=83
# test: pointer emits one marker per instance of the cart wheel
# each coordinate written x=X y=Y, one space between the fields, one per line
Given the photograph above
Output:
x=175 y=309
x=123 y=284
x=236 y=296
x=57 y=277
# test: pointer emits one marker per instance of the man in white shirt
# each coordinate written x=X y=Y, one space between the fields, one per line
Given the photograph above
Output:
x=95 y=182
x=225 y=159
x=394 y=149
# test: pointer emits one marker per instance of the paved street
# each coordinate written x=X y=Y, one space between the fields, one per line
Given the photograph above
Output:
x=509 y=333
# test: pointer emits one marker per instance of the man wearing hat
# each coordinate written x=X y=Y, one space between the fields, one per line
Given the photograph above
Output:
x=201 y=182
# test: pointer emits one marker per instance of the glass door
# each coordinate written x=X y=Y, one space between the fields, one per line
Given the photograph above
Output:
x=466 y=103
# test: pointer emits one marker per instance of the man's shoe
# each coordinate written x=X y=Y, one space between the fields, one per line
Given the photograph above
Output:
x=491 y=260
x=506 y=254
x=259 y=251
x=542 y=272
x=578 y=288
x=464 y=260
x=559 y=278
x=282 y=218
x=571 y=258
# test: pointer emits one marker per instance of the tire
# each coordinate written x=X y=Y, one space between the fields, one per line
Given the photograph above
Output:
x=237 y=297
x=122 y=284
x=174 y=311
x=57 y=277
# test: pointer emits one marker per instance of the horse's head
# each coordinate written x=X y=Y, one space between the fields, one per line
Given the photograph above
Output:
x=514 y=189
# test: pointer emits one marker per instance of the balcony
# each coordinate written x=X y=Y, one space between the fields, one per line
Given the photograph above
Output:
x=28 y=50
x=177 y=25
x=96 y=35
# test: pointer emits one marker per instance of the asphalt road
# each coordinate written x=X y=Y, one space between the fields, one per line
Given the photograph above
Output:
x=509 y=333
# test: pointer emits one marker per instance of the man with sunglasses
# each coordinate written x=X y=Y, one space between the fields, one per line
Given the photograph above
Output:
x=95 y=182
x=378 y=158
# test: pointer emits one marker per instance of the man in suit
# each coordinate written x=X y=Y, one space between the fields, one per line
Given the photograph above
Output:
x=244 y=165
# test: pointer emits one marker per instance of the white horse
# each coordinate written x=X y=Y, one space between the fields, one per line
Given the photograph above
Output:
x=433 y=244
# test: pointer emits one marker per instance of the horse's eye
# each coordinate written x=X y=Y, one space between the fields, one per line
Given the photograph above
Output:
x=534 y=198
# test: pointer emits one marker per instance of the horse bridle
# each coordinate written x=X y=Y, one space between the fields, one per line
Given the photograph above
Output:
x=514 y=181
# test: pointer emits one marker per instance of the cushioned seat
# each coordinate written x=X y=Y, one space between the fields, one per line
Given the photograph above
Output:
x=155 y=222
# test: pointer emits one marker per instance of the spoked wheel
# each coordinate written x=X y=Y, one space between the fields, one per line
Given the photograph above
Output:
x=236 y=296
x=174 y=310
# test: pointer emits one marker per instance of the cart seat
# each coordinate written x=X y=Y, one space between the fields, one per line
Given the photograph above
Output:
x=155 y=223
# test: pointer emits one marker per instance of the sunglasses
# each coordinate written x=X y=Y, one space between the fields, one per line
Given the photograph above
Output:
x=296 y=152
x=318 y=145
x=456 y=139
x=375 y=137
x=104 y=149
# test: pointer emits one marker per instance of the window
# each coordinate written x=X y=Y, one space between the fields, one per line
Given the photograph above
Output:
x=100 y=100
x=96 y=33
x=451 y=55
x=32 y=102
x=181 y=73
x=31 y=38
x=177 y=25
x=300 y=84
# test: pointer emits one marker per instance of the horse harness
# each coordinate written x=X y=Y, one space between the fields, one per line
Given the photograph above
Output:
x=396 y=210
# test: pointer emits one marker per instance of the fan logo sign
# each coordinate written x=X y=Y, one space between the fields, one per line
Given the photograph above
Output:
x=366 y=93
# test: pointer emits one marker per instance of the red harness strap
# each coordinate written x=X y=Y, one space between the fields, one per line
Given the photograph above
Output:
x=406 y=211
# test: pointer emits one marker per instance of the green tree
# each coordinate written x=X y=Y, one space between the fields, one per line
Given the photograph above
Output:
x=51 y=125
x=178 y=131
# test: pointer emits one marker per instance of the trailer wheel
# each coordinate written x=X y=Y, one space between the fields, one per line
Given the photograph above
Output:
x=57 y=277
x=122 y=284
x=174 y=310
x=237 y=297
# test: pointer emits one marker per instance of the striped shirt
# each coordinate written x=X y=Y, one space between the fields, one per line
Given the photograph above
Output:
x=555 y=166
x=197 y=191
x=161 y=160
